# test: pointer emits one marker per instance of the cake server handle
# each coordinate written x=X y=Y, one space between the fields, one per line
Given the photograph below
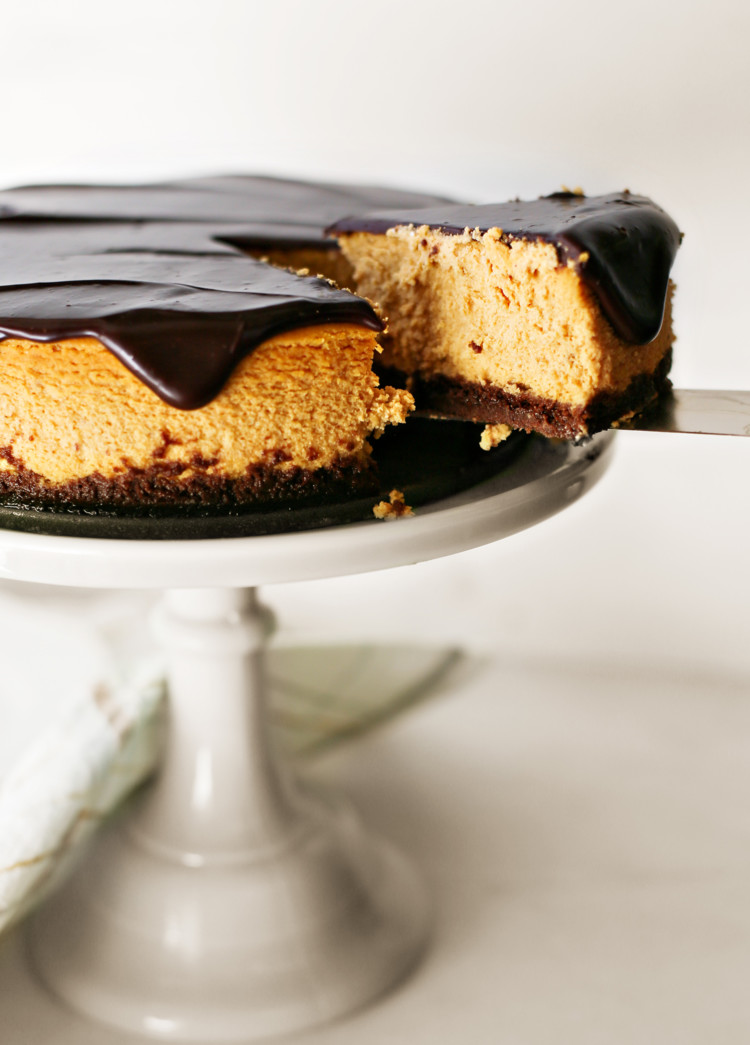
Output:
x=697 y=410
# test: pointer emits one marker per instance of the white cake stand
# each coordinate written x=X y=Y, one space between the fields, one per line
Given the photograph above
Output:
x=232 y=903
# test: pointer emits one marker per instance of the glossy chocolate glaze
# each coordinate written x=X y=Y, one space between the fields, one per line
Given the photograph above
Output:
x=158 y=275
x=622 y=245
x=263 y=211
x=180 y=323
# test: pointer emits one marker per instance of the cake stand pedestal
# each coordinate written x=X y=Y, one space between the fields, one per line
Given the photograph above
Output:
x=230 y=902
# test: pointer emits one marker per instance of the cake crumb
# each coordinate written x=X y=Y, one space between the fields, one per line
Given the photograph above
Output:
x=393 y=509
x=493 y=435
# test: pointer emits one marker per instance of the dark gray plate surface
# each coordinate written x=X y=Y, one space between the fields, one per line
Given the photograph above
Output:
x=426 y=459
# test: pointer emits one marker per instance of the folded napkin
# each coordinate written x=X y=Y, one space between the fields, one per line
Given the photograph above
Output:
x=81 y=704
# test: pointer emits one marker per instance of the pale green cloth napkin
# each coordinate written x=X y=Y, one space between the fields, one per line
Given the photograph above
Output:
x=91 y=733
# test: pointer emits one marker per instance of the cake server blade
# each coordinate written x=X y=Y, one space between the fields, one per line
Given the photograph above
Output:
x=695 y=410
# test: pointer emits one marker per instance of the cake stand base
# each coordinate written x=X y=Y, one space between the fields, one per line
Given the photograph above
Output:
x=230 y=904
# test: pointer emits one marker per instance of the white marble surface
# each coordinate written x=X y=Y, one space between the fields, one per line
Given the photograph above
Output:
x=585 y=834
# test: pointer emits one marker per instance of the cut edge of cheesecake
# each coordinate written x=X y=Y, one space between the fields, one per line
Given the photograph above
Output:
x=292 y=423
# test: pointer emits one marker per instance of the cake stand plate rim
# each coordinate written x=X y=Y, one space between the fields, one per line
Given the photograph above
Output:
x=543 y=480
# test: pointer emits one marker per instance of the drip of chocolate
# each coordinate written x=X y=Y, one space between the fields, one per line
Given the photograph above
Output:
x=157 y=272
x=622 y=245
x=179 y=322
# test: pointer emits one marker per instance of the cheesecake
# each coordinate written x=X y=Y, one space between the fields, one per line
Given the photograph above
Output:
x=292 y=423
x=160 y=348
x=198 y=344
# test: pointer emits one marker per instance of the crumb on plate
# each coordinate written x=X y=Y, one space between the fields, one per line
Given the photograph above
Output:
x=395 y=508
x=493 y=435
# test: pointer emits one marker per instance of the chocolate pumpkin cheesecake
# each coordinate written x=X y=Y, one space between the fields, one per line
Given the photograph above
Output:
x=552 y=315
x=148 y=359
x=160 y=347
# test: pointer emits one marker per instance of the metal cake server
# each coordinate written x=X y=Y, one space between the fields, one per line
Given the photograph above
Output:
x=696 y=410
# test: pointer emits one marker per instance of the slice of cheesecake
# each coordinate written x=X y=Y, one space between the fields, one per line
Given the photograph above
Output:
x=551 y=315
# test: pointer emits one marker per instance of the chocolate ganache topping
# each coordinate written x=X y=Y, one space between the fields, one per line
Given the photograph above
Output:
x=158 y=275
x=622 y=245
x=263 y=211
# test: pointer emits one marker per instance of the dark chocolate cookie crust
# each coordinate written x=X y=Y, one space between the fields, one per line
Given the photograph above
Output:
x=169 y=486
x=456 y=399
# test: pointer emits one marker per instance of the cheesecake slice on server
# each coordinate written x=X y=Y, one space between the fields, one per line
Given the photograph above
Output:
x=552 y=315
